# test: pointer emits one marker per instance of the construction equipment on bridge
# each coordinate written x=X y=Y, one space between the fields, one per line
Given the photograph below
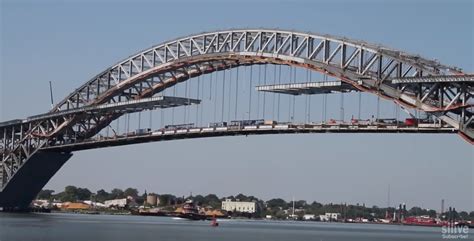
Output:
x=323 y=87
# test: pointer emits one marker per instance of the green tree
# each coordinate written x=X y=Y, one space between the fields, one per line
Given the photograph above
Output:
x=73 y=194
x=167 y=199
x=117 y=193
x=83 y=194
x=241 y=197
x=277 y=203
x=45 y=194
x=102 y=195
x=464 y=215
x=199 y=200
x=69 y=194
x=133 y=192
x=213 y=201
x=299 y=204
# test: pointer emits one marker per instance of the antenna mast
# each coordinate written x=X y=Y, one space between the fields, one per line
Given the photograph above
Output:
x=51 y=94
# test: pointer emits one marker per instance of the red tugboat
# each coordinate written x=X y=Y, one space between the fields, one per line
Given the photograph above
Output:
x=423 y=221
x=191 y=212
x=214 y=222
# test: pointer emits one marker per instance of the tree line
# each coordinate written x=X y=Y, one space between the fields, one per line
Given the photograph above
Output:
x=73 y=194
x=277 y=207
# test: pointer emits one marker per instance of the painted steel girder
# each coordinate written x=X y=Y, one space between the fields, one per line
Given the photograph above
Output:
x=366 y=59
x=365 y=66
x=324 y=48
x=351 y=61
x=369 y=61
x=16 y=150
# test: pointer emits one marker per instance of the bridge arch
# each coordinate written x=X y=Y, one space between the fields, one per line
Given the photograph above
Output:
x=367 y=67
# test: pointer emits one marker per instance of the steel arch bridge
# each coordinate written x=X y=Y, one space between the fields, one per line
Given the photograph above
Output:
x=33 y=149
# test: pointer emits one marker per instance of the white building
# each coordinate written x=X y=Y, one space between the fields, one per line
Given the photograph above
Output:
x=330 y=216
x=94 y=204
x=120 y=203
x=238 y=206
x=40 y=203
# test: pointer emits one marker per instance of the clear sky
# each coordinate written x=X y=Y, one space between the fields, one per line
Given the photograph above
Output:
x=68 y=42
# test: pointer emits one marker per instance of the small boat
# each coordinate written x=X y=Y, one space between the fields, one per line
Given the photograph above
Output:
x=214 y=222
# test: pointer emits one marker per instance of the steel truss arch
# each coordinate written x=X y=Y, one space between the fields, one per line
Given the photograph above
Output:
x=366 y=66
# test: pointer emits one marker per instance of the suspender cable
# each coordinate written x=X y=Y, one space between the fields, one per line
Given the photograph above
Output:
x=325 y=102
x=273 y=95
x=342 y=106
x=323 y=119
x=186 y=106
x=162 y=119
x=279 y=82
x=197 y=106
x=230 y=93
x=210 y=86
x=236 y=91
x=306 y=99
x=289 y=96
x=309 y=104
x=161 y=109
x=264 y=93
x=118 y=125
x=151 y=120
x=397 y=112
x=360 y=103
x=250 y=91
x=294 y=96
x=394 y=109
x=215 y=94
x=202 y=108
x=223 y=96
x=378 y=107
x=125 y=125
x=172 y=108
x=139 y=119
x=258 y=92
x=128 y=123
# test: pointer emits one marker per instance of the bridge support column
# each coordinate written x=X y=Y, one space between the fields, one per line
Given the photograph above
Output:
x=31 y=178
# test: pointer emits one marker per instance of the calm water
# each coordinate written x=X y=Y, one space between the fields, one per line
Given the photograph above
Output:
x=55 y=227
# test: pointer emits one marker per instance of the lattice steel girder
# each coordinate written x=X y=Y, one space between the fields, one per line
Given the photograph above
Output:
x=435 y=79
x=199 y=133
x=328 y=49
x=122 y=107
x=14 y=150
x=11 y=132
x=308 y=88
x=346 y=59
x=366 y=66
x=365 y=60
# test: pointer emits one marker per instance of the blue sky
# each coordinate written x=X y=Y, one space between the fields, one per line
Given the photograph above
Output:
x=68 y=42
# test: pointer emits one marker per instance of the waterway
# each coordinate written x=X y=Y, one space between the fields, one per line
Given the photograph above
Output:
x=56 y=226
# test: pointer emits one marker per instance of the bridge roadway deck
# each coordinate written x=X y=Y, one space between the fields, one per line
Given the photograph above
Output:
x=200 y=132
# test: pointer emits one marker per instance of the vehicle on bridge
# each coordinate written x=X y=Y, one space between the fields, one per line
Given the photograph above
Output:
x=144 y=131
x=178 y=127
x=217 y=124
x=382 y=122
